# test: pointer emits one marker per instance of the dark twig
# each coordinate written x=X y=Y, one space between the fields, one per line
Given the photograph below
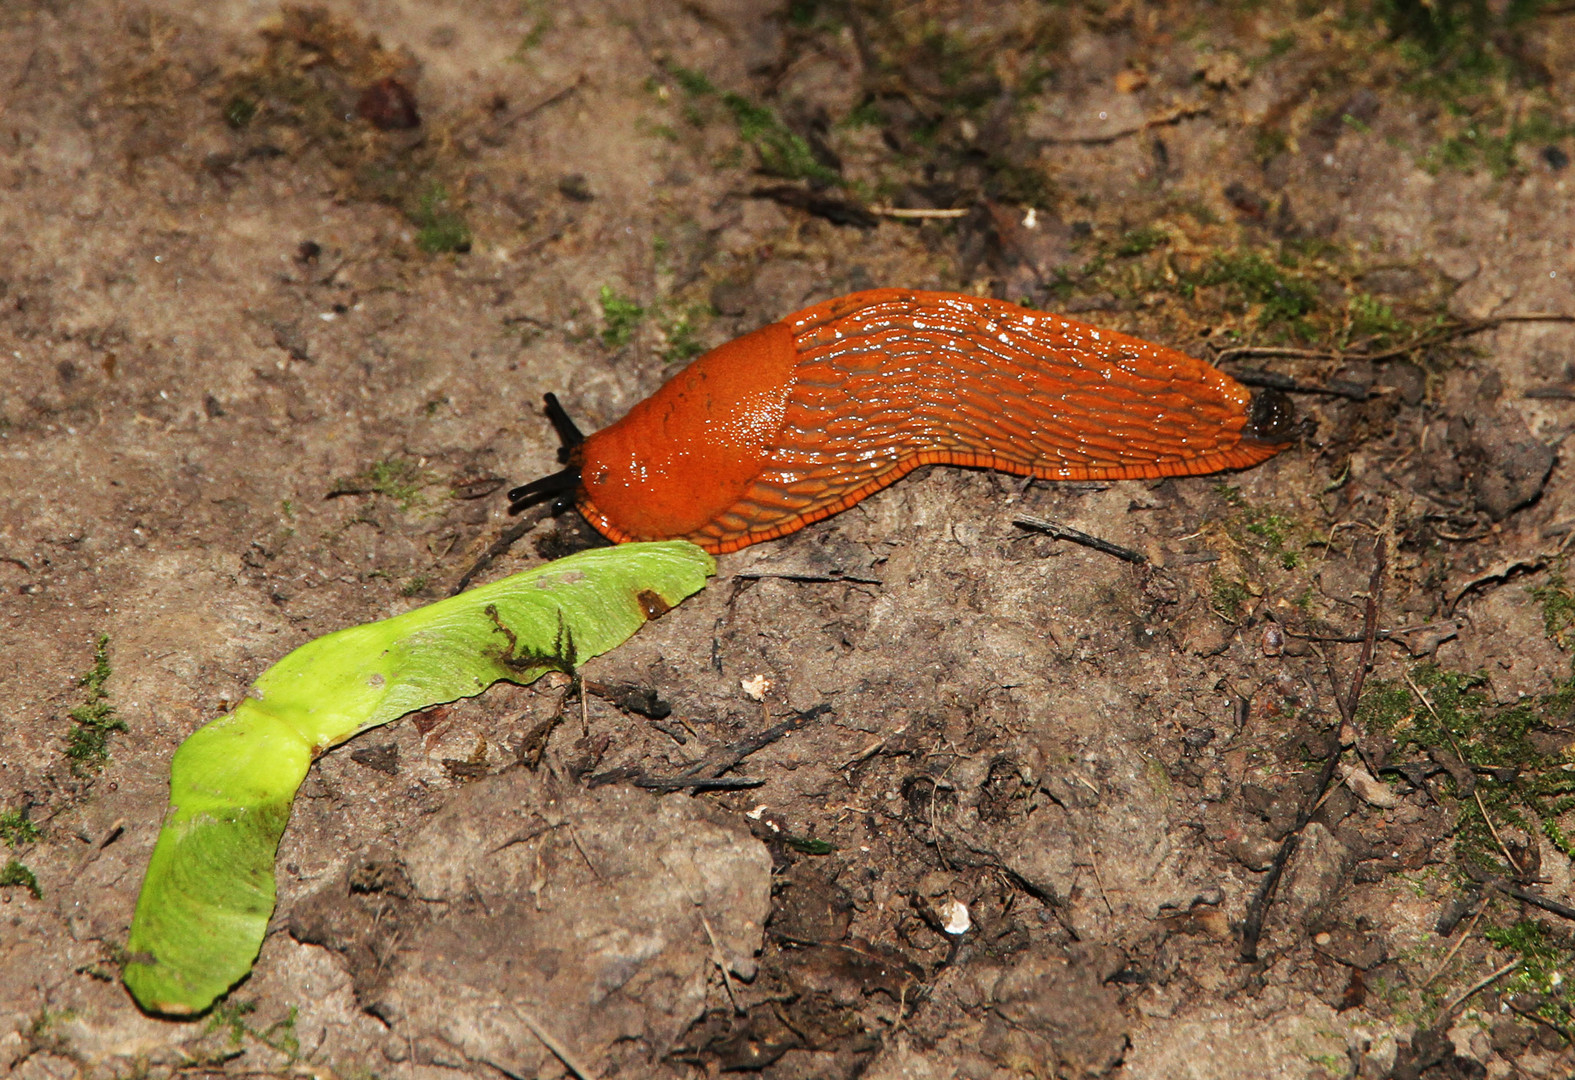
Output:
x=1448 y=1015
x=1382 y=635
x=1431 y=1046
x=1174 y=115
x=1275 y=381
x=709 y=773
x=837 y=211
x=1077 y=536
x=698 y=784
x=1519 y=892
x=511 y=535
x=1375 y=586
x=1243 y=352
x=1258 y=909
x=559 y=1048
x=1553 y=392
x=546 y=102
x=1563 y=911
x=632 y=774
x=1526 y=1014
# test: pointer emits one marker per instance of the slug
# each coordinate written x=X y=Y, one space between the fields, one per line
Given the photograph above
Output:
x=801 y=419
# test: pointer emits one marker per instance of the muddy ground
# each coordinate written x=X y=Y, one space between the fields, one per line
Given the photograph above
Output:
x=280 y=292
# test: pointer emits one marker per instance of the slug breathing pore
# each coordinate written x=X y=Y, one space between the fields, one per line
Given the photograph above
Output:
x=801 y=419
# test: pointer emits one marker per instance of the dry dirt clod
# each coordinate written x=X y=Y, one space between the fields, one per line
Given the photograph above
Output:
x=1505 y=467
x=1055 y=1006
x=588 y=920
x=1319 y=874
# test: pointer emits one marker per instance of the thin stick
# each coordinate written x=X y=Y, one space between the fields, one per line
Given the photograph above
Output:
x=1480 y=984
x=1497 y=839
x=1093 y=862
x=1375 y=588
x=1417 y=690
x=917 y=212
x=708 y=773
x=546 y=102
x=1562 y=910
x=1275 y=381
x=525 y=524
x=721 y=964
x=563 y=1053
x=575 y=837
x=1173 y=115
x=1078 y=536
x=1464 y=329
x=1242 y=352
x=1258 y=908
x=1382 y=635
x=1453 y=949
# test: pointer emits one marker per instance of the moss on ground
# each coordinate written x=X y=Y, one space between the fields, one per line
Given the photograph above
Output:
x=16 y=829
x=1514 y=780
x=1545 y=976
x=401 y=479
x=621 y=317
x=231 y=1018
x=87 y=742
x=779 y=150
x=14 y=873
x=1557 y=600
x=322 y=87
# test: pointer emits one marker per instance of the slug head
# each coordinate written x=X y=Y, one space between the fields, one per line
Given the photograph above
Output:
x=685 y=455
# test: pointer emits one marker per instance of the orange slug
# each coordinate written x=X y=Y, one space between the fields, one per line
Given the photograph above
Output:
x=801 y=419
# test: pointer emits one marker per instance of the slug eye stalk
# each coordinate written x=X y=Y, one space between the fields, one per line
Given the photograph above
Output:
x=568 y=431
x=564 y=482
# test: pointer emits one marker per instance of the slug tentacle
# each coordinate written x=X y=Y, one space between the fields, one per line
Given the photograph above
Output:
x=805 y=417
x=564 y=482
x=568 y=431
x=558 y=483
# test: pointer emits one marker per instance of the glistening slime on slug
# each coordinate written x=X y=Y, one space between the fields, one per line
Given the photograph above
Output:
x=801 y=419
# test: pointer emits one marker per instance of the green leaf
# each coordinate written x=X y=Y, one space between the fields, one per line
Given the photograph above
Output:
x=209 y=889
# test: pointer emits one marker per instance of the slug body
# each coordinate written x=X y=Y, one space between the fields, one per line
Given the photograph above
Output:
x=803 y=418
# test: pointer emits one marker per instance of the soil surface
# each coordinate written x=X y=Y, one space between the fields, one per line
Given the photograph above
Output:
x=281 y=290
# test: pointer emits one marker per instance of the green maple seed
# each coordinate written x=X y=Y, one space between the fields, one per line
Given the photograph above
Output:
x=209 y=890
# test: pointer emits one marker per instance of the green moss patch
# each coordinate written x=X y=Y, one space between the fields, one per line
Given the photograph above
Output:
x=401 y=479
x=87 y=742
x=321 y=87
x=1515 y=770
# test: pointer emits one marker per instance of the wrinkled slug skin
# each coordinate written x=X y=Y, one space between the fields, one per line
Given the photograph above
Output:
x=803 y=418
